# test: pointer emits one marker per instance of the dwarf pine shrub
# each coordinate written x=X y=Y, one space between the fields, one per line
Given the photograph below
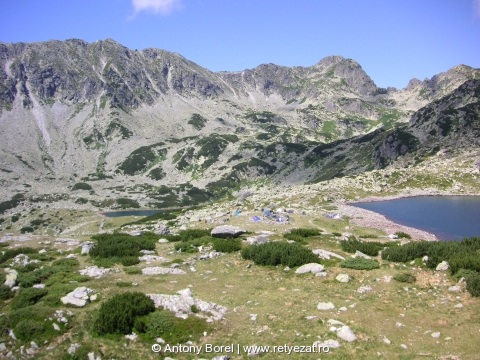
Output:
x=360 y=264
x=279 y=253
x=367 y=247
x=226 y=245
x=27 y=297
x=405 y=278
x=174 y=330
x=118 y=314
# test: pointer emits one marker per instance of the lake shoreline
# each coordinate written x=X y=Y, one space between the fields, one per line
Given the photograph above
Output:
x=369 y=218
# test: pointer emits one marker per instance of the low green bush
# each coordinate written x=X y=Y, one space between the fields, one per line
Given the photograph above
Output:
x=129 y=260
x=174 y=330
x=403 y=235
x=82 y=186
x=473 y=284
x=186 y=247
x=62 y=270
x=118 y=314
x=27 y=297
x=191 y=245
x=121 y=248
x=279 y=253
x=126 y=203
x=27 y=229
x=227 y=245
x=367 y=247
x=30 y=323
x=360 y=264
x=405 y=278
x=133 y=270
x=460 y=255
x=303 y=232
x=11 y=253
x=5 y=292
x=189 y=234
x=28 y=329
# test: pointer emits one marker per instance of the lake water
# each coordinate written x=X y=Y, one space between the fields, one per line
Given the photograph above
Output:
x=448 y=217
x=131 y=213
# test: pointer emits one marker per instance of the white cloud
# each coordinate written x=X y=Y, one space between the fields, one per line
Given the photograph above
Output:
x=476 y=8
x=163 y=7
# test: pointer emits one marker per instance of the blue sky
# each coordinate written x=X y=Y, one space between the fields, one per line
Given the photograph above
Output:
x=393 y=40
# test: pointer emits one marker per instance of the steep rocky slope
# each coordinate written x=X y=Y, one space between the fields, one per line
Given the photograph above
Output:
x=75 y=111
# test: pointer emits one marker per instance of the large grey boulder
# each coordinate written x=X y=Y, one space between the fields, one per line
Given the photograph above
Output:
x=327 y=255
x=162 y=230
x=443 y=266
x=310 y=268
x=343 y=278
x=359 y=254
x=345 y=333
x=79 y=297
x=364 y=289
x=227 y=231
x=256 y=240
x=94 y=271
x=152 y=258
x=325 y=306
x=86 y=247
x=11 y=277
x=183 y=302
x=22 y=260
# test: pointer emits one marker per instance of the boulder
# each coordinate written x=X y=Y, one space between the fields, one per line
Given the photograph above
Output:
x=227 y=231
x=11 y=277
x=259 y=239
x=443 y=266
x=455 y=288
x=364 y=289
x=94 y=271
x=325 y=306
x=310 y=268
x=86 y=247
x=345 y=333
x=22 y=260
x=326 y=255
x=73 y=348
x=343 y=278
x=78 y=297
x=151 y=258
x=210 y=255
x=182 y=303
x=359 y=254
x=162 y=230
x=332 y=322
x=327 y=344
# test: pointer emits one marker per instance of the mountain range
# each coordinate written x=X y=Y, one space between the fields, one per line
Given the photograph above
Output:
x=72 y=111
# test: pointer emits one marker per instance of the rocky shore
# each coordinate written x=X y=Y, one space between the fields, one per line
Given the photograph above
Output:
x=367 y=218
